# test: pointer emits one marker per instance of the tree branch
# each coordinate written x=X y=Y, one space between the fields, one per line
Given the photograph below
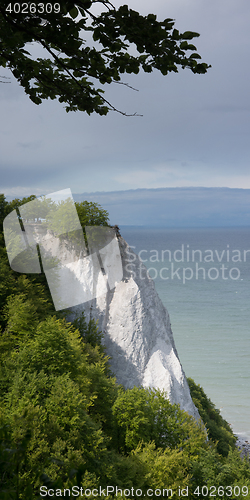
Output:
x=59 y=61
x=64 y=67
x=126 y=85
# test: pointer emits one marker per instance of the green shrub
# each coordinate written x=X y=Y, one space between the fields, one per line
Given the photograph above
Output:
x=219 y=431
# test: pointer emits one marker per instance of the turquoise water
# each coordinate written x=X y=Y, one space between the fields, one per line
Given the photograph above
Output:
x=208 y=304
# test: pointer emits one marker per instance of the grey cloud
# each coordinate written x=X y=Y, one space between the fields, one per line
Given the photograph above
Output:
x=197 y=125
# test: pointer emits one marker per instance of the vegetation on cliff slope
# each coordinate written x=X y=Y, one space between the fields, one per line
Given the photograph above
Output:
x=65 y=422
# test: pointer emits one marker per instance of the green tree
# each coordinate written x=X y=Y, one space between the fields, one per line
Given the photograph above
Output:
x=61 y=218
x=164 y=469
x=147 y=415
x=89 y=332
x=91 y=214
x=212 y=470
x=219 y=431
x=38 y=209
x=15 y=308
x=73 y=70
x=3 y=205
x=7 y=280
x=63 y=435
x=16 y=203
x=56 y=392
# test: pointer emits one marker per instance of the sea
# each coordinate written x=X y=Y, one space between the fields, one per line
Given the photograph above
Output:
x=202 y=276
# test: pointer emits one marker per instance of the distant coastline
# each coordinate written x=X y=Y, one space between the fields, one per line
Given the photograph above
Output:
x=175 y=207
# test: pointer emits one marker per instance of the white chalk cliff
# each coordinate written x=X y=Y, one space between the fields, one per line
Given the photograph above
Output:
x=136 y=326
x=138 y=335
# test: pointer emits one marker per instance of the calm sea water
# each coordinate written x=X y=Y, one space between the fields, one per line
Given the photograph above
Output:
x=203 y=278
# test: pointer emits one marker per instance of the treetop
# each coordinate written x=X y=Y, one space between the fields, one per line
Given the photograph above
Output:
x=123 y=41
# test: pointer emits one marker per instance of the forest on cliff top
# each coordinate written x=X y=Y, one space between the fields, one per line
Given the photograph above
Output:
x=65 y=424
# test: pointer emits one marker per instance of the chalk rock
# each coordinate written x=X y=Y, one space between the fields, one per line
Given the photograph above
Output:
x=136 y=326
x=137 y=333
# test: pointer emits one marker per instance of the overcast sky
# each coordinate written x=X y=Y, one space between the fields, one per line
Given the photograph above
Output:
x=194 y=130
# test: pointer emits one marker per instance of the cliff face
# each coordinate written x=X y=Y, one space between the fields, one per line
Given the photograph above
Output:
x=137 y=333
x=136 y=326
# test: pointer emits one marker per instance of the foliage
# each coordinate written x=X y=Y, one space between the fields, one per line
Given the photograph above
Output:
x=8 y=207
x=38 y=209
x=164 y=468
x=64 y=421
x=52 y=387
x=214 y=471
x=90 y=332
x=122 y=41
x=3 y=205
x=7 y=279
x=61 y=217
x=26 y=288
x=146 y=415
x=91 y=214
x=218 y=429
x=10 y=460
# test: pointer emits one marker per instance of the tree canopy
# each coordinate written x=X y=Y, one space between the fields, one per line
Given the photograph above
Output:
x=122 y=41
x=65 y=422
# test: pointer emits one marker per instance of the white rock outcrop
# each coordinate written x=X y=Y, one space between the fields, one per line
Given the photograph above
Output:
x=136 y=326
x=138 y=335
